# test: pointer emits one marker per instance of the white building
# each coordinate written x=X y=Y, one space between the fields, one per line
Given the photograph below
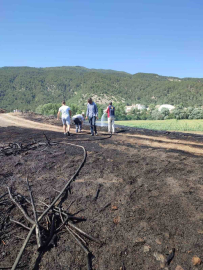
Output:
x=134 y=106
x=167 y=106
x=129 y=108
x=140 y=107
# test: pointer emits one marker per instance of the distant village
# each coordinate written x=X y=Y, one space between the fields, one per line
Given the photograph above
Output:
x=161 y=112
x=129 y=109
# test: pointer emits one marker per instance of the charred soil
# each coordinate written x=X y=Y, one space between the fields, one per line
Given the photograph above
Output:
x=150 y=199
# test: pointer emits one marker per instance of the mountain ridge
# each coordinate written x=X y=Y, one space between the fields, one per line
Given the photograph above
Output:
x=28 y=87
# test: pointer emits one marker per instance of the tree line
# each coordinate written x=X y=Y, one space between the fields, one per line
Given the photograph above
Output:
x=151 y=114
x=154 y=114
x=26 y=88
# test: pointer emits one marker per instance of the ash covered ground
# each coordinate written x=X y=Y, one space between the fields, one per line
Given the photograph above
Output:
x=150 y=200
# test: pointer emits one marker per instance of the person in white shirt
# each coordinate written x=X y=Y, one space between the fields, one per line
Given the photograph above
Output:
x=65 y=117
x=78 y=120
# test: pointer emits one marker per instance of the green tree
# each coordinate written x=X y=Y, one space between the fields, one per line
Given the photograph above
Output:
x=156 y=115
x=196 y=113
x=165 y=112
x=180 y=113
x=151 y=107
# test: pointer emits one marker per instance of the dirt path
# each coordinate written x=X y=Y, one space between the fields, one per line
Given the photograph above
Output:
x=157 y=142
x=10 y=119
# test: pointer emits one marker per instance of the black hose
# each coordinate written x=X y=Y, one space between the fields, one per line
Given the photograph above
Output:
x=90 y=139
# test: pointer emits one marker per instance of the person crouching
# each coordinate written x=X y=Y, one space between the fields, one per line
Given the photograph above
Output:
x=78 y=120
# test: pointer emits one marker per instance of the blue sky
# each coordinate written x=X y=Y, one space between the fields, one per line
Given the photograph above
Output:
x=153 y=36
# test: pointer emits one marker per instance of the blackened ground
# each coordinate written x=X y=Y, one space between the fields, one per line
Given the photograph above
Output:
x=150 y=200
x=120 y=129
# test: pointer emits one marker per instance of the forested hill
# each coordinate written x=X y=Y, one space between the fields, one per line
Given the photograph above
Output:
x=26 y=87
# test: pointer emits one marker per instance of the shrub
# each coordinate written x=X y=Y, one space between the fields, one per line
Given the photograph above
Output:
x=165 y=112
x=52 y=109
x=180 y=113
x=196 y=113
x=156 y=115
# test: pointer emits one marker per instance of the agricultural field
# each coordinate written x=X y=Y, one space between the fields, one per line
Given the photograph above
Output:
x=172 y=124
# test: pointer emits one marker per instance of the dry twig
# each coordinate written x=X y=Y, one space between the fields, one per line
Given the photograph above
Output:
x=37 y=229
x=19 y=223
x=20 y=207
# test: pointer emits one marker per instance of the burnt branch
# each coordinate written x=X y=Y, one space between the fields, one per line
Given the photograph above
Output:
x=37 y=229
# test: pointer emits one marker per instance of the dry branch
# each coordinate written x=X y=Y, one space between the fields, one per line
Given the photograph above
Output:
x=84 y=233
x=52 y=204
x=22 y=248
x=78 y=241
x=37 y=229
x=19 y=223
x=78 y=236
x=3 y=195
x=20 y=207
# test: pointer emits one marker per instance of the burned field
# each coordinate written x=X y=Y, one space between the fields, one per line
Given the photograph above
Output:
x=139 y=201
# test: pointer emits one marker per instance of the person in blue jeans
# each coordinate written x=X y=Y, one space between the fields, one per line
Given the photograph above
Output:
x=78 y=120
x=65 y=117
x=92 y=115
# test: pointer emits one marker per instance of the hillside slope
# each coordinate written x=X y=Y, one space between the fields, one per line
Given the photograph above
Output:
x=26 y=87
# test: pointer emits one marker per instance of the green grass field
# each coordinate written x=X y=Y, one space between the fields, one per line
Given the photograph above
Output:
x=172 y=124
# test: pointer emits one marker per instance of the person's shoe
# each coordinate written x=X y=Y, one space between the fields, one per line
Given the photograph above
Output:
x=92 y=134
x=96 y=134
x=76 y=130
x=64 y=134
x=68 y=133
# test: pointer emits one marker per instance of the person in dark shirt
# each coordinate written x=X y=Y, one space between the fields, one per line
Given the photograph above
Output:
x=111 y=117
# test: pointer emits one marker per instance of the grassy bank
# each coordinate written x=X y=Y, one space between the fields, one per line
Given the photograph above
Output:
x=172 y=124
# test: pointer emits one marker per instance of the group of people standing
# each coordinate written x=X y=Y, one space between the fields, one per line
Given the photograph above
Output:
x=91 y=115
